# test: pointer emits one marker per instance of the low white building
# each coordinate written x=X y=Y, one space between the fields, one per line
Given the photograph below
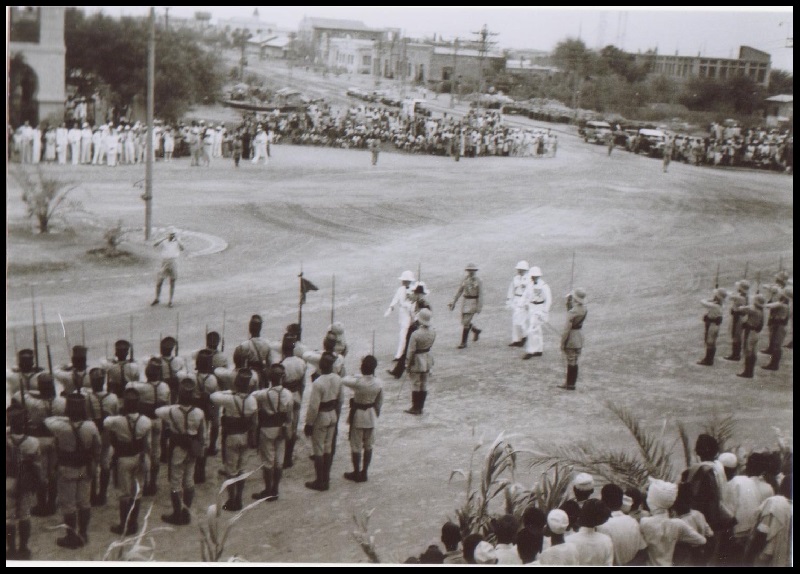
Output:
x=350 y=55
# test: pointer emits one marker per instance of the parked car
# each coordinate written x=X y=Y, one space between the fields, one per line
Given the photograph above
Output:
x=651 y=142
x=596 y=132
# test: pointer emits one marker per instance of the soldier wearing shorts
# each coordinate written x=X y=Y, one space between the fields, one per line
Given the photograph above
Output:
x=130 y=435
x=239 y=407
x=712 y=320
x=120 y=369
x=187 y=432
x=171 y=248
x=365 y=408
x=572 y=337
x=472 y=289
x=24 y=474
x=275 y=426
x=77 y=451
x=738 y=301
x=99 y=405
x=296 y=372
x=322 y=419
x=75 y=376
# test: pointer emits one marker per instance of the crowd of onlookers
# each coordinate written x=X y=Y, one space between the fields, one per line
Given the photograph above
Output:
x=722 y=512
x=755 y=148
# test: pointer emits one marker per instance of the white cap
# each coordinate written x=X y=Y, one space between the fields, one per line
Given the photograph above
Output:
x=584 y=481
x=407 y=276
x=522 y=265
x=535 y=272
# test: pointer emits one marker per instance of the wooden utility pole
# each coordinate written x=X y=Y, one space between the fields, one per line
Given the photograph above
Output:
x=454 y=76
x=151 y=82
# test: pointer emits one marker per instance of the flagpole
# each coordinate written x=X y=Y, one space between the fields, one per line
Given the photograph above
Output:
x=333 y=297
x=300 y=301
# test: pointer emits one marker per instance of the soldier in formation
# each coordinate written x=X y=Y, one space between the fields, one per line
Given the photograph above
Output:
x=275 y=411
x=365 y=408
x=712 y=320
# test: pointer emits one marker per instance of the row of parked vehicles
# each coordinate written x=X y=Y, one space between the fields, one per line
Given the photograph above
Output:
x=410 y=106
x=648 y=139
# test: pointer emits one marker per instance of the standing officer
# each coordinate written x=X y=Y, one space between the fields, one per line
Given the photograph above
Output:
x=712 y=320
x=75 y=376
x=237 y=421
x=24 y=475
x=130 y=436
x=39 y=407
x=171 y=248
x=420 y=361
x=572 y=338
x=753 y=324
x=778 y=320
x=296 y=369
x=120 y=370
x=187 y=431
x=78 y=449
x=472 y=288
x=99 y=405
x=322 y=418
x=403 y=301
x=153 y=394
x=515 y=301
x=538 y=299
x=365 y=408
x=275 y=412
x=739 y=300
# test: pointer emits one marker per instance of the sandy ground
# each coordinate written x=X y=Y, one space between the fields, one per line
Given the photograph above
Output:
x=647 y=245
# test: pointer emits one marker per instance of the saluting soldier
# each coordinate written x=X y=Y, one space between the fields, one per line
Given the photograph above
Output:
x=776 y=291
x=120 y=370
x=712 y=320
x=538 y=299
x=187 y=431
x=754 y=322
x=515 y=301
x=153 y=394
x=130 y=435
x=39 y=407
x=365 y=408
x=296 y=372
x=738 y=299
x=402 y=301
x=572 y=337
x=472 y=289
x=275 y=427
x=99 y=406
x=322 y=418
x=259 y=350
x=78 y=450
x=24 y=475
x=25 y=375
x=420 y=361
x=75 y=376
x=206 y=384
x=237 y=421
x=778 y=321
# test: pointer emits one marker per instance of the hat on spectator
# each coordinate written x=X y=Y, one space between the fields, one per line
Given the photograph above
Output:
x=661 y=495
x=557 y=521
x=584 y=481
x=485 y=553
x=728 y=460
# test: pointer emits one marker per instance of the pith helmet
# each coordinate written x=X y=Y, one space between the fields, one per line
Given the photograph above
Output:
x=522 y=266
x=535 y=272
x=407 y=276
x=471 y=267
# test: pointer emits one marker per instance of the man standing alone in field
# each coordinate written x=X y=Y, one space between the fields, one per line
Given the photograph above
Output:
x=171 y=248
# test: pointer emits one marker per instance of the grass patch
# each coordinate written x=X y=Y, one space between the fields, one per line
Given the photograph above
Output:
x=38 y=267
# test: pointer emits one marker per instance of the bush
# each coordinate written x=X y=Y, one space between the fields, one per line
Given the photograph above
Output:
x=44 y=196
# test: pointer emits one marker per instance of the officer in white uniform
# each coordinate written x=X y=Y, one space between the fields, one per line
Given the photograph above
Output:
x=404 y=301
x=515 y=301
x=537 y=300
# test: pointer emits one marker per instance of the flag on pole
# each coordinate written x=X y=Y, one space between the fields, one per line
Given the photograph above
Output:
x=305 y=287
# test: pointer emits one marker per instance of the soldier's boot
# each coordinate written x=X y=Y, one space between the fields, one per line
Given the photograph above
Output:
x=102 y=492
x=774 y=363
x=367 y=460
x=24 y=553
x=11 y=542
x=317 y=484
x=356 y=474
x=200 y=470
x=422 y=396
x=41 y=502
x=398 y=369
x=749 y=364
x=151 y=488
x=231 y=504
x=327 y=462
x=476 y=333
x=212 y=443
x=52 y=495
x=93 y=491
x=175 y=517
x=414 y=410
x=84 y=514
x=188 y=498
x=71 y=540
x=707 y=360
x=124 y=509
x=464 y=336
x=276 y=481
x=736 y=352
x=288 y=455
x=267 y=474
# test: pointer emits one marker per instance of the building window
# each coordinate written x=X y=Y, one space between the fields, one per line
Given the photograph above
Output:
x=25 y=24
x=762 y=75
x=366 y=61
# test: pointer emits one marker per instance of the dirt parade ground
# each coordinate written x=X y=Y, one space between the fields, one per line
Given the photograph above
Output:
x=647 y=246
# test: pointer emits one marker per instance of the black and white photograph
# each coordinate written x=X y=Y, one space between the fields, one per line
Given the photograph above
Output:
x=328 y=285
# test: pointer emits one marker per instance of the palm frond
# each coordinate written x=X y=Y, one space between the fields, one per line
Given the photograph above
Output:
x=686 y=443
x=655 y=455
x=721 y=428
